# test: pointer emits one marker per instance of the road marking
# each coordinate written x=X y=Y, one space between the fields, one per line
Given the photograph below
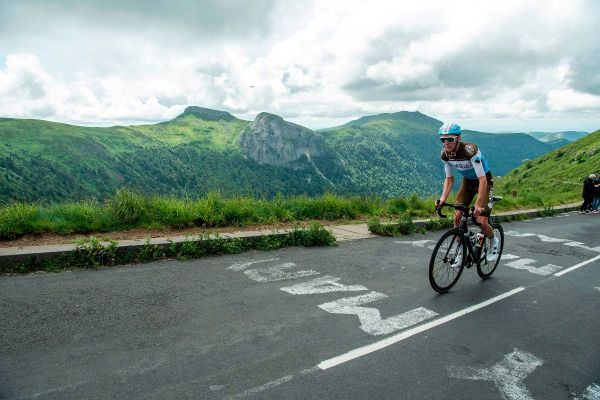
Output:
x=242 y=266
x=597 y=288
x=361 y=351
x=582 y=246
x=277 y=273
x=509 y=257
x=370 y=318
x=54 y=390
x=324 y=284
x=592 y=392
x=525 y=264
x=508 y=375
x=258 y=389
x=416 y=243
x=272 y=384
x=574 y=267
x=544 y=238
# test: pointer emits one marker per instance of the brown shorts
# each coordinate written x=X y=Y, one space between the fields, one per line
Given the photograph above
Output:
x=468 y=190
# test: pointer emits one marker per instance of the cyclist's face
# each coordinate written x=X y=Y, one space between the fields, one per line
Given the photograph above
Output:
x=448 y=145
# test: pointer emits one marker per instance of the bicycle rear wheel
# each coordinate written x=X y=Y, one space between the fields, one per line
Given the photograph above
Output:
x=486 y=268
x=445 y=266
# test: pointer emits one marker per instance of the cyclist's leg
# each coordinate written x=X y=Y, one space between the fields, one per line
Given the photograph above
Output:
x=463 y=198
x=483 y=219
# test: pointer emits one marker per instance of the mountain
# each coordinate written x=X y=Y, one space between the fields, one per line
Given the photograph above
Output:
x=197 y=152
x=397 y=153
x=559 y=173
x=205 y=150
x=565 y=136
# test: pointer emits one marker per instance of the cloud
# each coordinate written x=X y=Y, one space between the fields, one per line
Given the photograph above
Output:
x=112 y=62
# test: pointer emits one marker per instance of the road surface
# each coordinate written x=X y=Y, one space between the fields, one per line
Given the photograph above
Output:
x=355 y=321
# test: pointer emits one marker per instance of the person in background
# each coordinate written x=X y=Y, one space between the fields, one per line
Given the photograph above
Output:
x=587 y=194
x=596 y=202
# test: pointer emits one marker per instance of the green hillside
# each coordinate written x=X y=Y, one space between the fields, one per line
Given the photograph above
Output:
x=191 y=155
x=204 y=150
x=557 y=175
x=391 y=154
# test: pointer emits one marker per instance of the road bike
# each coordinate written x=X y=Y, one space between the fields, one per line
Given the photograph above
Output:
x=459 y=247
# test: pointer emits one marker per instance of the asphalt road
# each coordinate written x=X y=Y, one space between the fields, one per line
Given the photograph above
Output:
x=355 y=321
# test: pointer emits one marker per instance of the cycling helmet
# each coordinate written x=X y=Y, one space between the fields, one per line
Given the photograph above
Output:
x=450 y=129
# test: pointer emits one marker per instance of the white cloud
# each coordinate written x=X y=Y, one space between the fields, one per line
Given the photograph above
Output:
x=311 y=62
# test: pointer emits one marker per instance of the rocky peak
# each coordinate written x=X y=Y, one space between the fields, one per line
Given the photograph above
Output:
x=208 y=114
x=270 y=139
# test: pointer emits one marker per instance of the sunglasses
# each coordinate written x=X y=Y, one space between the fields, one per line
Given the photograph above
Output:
x=447 y=139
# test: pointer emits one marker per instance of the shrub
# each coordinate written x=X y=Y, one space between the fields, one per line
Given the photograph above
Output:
x=17 y=219
x=404 y=226
x=127 y=206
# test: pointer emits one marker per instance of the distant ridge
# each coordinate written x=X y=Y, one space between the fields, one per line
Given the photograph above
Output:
x=407 y=116
x=208 y=114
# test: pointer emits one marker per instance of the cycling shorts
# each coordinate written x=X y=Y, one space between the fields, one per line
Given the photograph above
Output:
x=469 y=189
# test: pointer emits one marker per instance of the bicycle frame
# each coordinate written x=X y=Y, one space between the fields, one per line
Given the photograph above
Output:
x=463 y=228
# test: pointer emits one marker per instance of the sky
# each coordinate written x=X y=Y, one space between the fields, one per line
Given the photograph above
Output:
x=488 y=65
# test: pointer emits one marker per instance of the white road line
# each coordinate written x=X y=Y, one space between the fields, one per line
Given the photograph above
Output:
x=361 y=351
x=574 y=267
x=258 y=389
x=272 y=384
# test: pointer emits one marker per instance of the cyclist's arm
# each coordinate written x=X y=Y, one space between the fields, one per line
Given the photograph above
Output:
x=476 y=160
x=447 y=182
x=481 y=193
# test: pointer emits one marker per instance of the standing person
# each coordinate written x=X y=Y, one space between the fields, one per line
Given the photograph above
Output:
x=596 y=202
x=467 y=159
x=587 y=194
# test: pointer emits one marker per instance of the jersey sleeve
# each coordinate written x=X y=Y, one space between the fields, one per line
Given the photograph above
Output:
x=477 y=161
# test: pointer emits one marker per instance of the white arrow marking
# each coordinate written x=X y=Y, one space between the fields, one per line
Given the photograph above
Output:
x=508 y=374
x=370 y=318
x=509 y=257
x=324 y=284
x=277 y=273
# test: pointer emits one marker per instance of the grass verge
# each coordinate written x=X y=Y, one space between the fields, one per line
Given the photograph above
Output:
x=92 y=254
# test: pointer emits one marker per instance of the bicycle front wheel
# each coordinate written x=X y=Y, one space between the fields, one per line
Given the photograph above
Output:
x=447 y=261
x=486 y=268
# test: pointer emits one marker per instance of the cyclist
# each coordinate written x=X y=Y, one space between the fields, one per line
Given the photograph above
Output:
x=477 y=180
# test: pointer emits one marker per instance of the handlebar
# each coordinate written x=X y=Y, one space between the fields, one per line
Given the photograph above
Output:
x=439 y=207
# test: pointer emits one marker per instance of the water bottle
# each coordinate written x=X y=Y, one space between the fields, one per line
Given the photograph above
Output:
x=479 y=239
x=471 y=237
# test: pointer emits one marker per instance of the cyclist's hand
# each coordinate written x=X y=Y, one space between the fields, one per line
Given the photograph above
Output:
x=477 y=212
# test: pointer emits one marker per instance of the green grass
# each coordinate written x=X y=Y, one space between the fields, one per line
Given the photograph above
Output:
x=92 y=254
x=128 y=209
x=555 y=177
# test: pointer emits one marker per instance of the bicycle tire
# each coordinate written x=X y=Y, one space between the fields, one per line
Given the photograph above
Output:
x=435 y=279
x=482 y=271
